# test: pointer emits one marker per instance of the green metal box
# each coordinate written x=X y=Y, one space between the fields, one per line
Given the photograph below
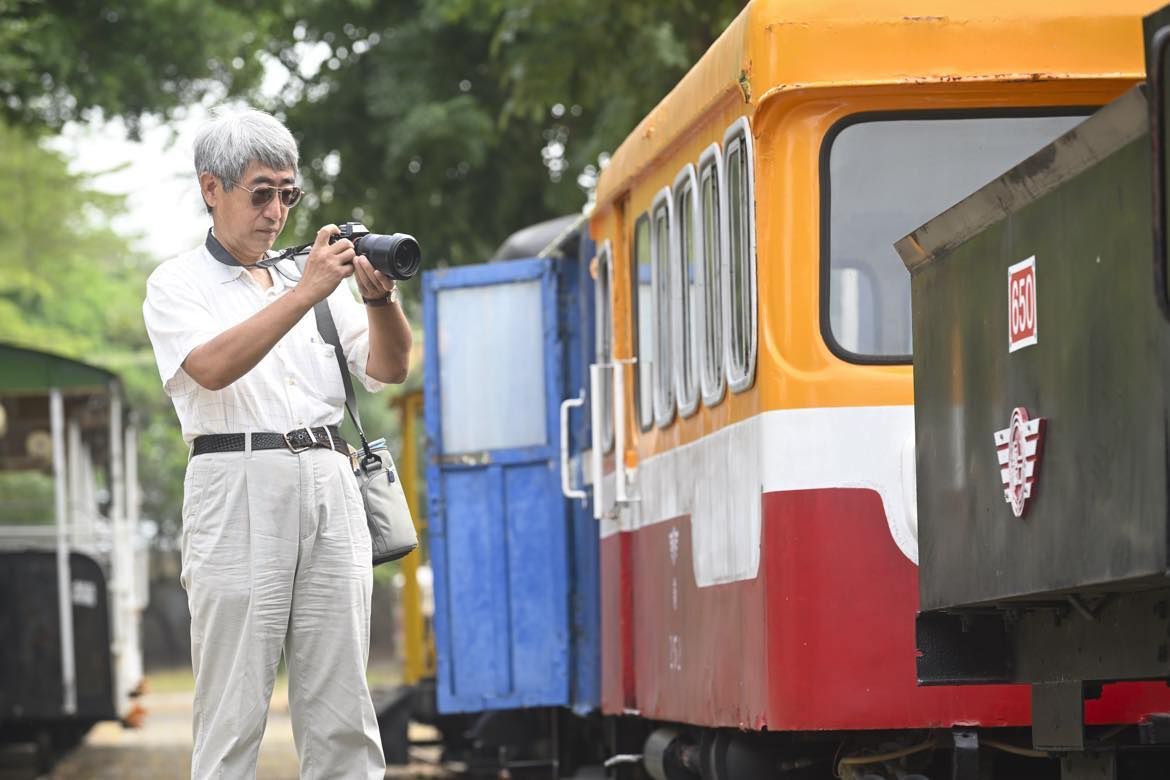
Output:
x=1041 y=312
x=1035 y=301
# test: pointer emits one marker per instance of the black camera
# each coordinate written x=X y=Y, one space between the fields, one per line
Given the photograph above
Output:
x=397 y=256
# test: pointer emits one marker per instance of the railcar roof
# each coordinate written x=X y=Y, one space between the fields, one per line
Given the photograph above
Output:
x=777 y=46
x=530 y=241
x=25 y=370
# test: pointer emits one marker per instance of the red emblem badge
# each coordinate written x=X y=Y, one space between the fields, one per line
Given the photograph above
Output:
x=1018 y=448
x=1022 y=304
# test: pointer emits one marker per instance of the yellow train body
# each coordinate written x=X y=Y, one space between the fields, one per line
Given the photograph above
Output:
x=794 y=70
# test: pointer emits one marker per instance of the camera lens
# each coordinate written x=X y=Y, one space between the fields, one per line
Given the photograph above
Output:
x=398 y=255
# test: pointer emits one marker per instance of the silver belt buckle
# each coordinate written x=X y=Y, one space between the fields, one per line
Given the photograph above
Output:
x=294 y=448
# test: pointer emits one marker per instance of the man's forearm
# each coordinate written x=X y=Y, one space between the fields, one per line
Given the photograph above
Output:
x=390 y=341
x=236 y=351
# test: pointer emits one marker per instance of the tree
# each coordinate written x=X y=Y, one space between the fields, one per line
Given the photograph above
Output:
x=456 y=120
x=66 y=278
x=68 y=283
x=72 y=286
x=463 y=120
x=66 y=59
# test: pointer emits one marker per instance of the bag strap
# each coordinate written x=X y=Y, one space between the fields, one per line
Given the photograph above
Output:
x=328 y=330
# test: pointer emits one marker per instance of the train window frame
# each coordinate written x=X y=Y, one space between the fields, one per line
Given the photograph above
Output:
x=603 y=337
x=661 y=262
x=740 y=369
x=684 y=318
x=712 y=365
x=826 y=192
x=643 y=353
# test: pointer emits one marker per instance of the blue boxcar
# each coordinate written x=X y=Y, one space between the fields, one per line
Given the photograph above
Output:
x=515 y=562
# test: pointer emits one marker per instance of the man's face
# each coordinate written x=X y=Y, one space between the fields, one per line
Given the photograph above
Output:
x=245 y=230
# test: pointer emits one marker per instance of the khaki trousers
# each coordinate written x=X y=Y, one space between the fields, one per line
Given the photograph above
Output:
x=276 y=558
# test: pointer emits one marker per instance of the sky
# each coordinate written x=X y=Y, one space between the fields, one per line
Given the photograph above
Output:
x=164 y=209
x=165 y=215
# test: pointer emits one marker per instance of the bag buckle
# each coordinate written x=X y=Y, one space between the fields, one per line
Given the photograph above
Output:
x=295 y=440
x=370 y=463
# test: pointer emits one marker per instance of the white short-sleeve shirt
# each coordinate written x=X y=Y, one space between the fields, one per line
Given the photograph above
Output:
x=192 y=298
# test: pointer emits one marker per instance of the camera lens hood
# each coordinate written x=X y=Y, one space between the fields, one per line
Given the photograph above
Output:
x=397 y=256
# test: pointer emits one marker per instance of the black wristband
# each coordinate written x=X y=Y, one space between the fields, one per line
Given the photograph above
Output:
x=383 y=301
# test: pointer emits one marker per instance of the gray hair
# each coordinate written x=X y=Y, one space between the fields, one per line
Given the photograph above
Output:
x=229 y=143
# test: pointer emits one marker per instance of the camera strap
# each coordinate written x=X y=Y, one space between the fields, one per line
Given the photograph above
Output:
x=220 y=253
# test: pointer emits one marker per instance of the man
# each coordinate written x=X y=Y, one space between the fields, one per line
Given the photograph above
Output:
x=276 y=554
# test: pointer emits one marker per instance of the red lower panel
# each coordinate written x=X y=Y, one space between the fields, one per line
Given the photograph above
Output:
x=821 y=639
x=699 y=651
x=841 y=606
x=617 y=647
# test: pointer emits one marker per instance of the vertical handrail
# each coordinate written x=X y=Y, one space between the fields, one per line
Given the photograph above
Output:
x=597 y=443
x=619 y=432
x=622 y=471
x=74 y=514
x=567 y=488
x=122 y=563
x=64 y=575
x=141 y=585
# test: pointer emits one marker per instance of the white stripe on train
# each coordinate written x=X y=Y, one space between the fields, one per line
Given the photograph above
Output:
x=718 y=480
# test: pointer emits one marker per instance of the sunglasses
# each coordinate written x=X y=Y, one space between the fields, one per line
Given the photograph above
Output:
x=262 y=195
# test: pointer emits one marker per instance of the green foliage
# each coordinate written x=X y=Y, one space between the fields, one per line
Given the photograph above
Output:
x=457 y=120
x=27 y=498
x=463 y=120
x=70 y=285
x=67 y=280
x=60 y=60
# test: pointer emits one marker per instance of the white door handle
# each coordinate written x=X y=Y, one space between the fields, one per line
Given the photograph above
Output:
x=595 y=380
x=567 y=478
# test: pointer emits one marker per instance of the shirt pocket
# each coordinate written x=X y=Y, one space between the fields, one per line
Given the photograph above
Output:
x=322 y=376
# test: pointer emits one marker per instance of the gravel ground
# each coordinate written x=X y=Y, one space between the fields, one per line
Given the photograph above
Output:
x=161 y=749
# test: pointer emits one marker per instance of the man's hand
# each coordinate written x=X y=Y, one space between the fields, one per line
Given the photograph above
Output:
x=371 y=282
x=233 y=353
x=390 y=338
x=326 y=265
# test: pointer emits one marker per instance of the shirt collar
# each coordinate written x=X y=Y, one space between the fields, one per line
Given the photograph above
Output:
x=227 y=268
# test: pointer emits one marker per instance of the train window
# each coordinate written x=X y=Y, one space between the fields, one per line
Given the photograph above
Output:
x=510 y=381
x=739 y=271
x=686 y=259
x=710 y=312
x=883 y=177
x=644 y=314
x=603 y=335
x=662 y=216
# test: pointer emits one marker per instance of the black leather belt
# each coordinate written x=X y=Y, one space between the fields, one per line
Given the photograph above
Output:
x=297 y=440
